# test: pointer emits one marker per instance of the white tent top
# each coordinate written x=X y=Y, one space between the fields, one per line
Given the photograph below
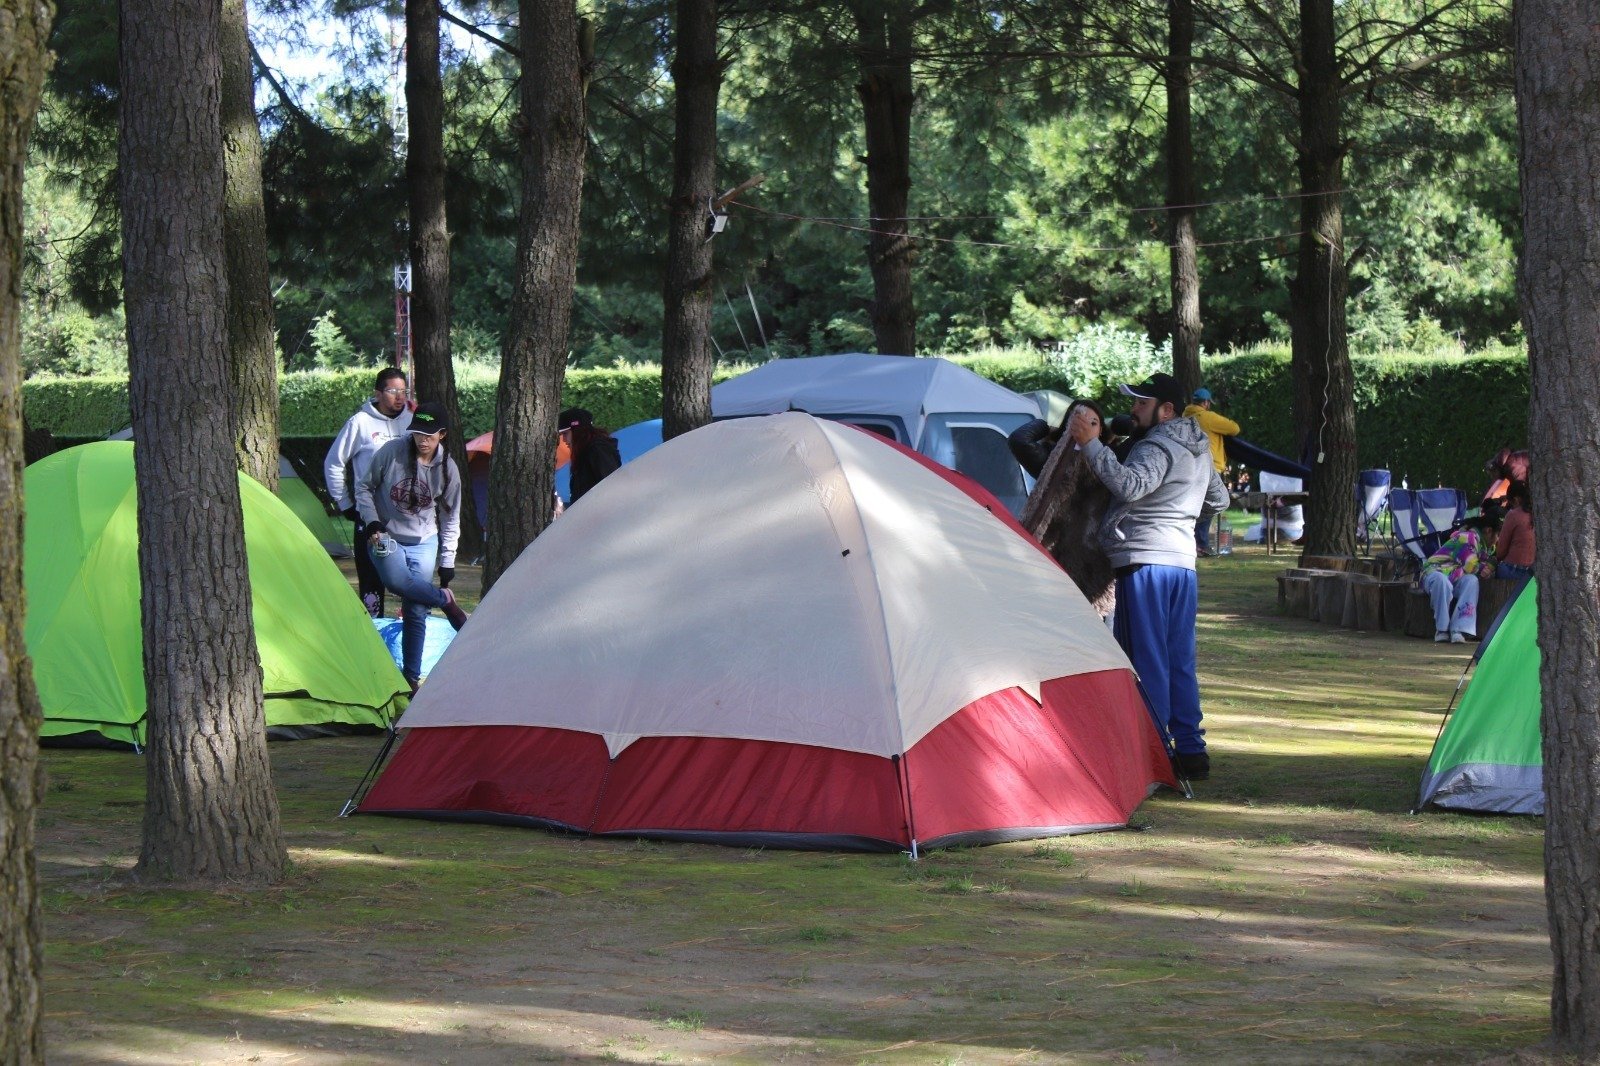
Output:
x=907 y=388
x=785 y=579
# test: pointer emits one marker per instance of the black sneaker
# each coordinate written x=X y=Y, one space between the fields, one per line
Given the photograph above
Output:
x=1192 y=766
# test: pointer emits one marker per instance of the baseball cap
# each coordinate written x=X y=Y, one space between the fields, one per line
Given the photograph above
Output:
x=1162 y=388
x=429 y=418
x=1202 y=394
x=573 y=417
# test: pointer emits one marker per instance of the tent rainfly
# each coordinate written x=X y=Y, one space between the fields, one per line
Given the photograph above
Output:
x=787 y=632
x=324 y=667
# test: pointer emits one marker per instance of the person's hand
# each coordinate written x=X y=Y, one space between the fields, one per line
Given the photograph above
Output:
x=447 y=574
x=1084 y=425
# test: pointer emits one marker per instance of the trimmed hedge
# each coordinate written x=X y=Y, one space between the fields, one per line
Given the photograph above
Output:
x=1432 y=420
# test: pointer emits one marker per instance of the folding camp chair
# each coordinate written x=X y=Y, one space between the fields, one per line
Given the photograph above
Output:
x=1372 y=496
x=1422 y=519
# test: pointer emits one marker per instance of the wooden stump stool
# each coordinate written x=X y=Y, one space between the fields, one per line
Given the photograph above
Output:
x=1326 y=562
x=1387 y=564
x=1364 y=603
x=1394 y=605
x=1327 y=598
x=1419 y=614
x=1493 y=595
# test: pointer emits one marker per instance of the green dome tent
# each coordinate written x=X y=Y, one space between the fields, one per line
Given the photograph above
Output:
x=324 y=667
x=333 y=534
x=1489 y=755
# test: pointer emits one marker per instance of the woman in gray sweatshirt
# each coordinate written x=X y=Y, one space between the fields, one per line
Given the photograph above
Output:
x=409 y=498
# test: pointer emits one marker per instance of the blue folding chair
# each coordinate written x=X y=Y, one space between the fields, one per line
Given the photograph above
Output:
x=1372 y=497
x=1422 y=519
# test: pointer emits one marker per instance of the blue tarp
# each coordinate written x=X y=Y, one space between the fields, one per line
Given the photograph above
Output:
x=440 y=634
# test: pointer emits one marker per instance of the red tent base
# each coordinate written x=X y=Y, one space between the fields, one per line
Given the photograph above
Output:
x=1002 y=768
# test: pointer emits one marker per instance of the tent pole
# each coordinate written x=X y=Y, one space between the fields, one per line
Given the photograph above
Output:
x=903 y=779
x=354 y=802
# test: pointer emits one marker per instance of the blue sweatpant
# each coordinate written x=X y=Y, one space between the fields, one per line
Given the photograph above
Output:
x=1155 y=624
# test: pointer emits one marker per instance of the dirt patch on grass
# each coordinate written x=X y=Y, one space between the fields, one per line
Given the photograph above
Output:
x=1292 y=912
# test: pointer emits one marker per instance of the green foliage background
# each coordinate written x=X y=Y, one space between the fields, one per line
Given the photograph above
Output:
x=1428 y=419
x=1037 y=187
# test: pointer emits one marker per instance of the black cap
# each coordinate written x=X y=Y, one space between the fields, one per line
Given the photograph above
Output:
x=429 y=418
x=574 y=416
x=1162 y=388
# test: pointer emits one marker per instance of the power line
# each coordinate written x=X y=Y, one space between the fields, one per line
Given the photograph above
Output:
x=784 y=216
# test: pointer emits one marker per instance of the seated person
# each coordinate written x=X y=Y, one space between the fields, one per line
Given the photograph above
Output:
x=1290 y=519
x=1285 y=511
x=1452 y=574
x=1514 y=550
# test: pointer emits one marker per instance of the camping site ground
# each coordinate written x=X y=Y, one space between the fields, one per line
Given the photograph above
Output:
x=1293 y=911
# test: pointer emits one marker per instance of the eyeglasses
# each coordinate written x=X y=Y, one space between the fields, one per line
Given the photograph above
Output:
x=395 y=392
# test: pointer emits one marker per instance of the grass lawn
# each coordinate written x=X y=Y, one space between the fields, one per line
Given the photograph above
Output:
x=1293 y=911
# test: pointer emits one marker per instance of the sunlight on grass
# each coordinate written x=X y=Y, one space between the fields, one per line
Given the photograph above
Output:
x=313 y=857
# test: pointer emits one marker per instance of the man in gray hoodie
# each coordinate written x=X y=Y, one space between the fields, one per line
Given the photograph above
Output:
x=1164 y=487
x=383 y=418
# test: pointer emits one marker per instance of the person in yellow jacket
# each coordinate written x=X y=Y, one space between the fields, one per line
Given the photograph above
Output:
x=1216 y=427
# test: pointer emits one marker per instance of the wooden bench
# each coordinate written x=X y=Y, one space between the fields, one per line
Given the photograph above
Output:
x=1493 y=595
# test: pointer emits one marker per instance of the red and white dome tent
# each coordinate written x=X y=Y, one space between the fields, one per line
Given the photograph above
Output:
x=784 y=632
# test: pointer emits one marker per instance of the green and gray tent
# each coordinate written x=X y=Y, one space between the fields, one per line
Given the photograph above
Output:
x=1488 y=757
x=324 y=667
x=333 y=534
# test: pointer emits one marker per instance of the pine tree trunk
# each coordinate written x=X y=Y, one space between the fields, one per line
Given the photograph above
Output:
x=1324 y=400
x=1558 y=81
x=210 y=811
x=435 y=377
x=1184 y=252
x=253 y=357
x=884 y=40
x=533 y=362
x=686 y=361
x=23 y=59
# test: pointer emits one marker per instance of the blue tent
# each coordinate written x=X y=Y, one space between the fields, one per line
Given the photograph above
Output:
x=632 y=442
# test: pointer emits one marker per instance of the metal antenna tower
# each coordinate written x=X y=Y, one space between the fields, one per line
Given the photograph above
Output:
x=400 y=123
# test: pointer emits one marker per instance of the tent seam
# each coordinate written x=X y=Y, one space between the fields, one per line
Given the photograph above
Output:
x=872 y=571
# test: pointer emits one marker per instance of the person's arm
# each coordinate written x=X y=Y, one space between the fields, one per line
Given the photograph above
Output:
x=336 y=466
x=1135 y=479
x=366 y=490
x=1217 y=498
x=450 y=518
x=1212 y=422
x=1031 y=445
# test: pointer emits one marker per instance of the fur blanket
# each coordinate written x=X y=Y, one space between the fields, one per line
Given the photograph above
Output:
x=1064 y=512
